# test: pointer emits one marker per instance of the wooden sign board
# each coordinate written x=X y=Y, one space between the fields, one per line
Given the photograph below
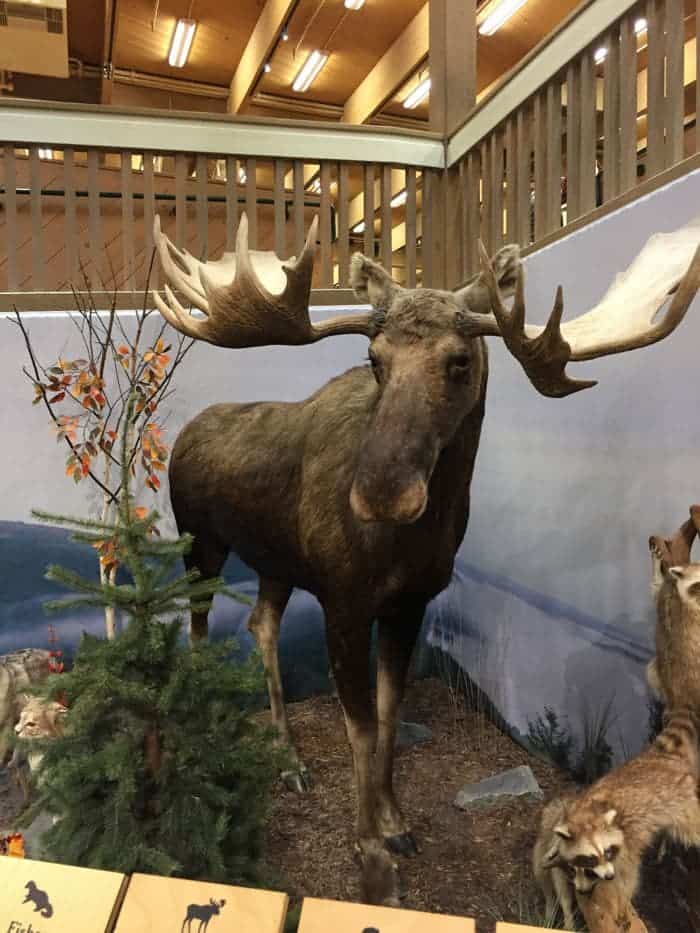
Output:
x=42 y=897
x=518 y=928
x=321 y=916
x=161 y=905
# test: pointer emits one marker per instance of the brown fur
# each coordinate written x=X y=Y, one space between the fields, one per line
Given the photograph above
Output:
x=555 y=883
x=360 y=495
x=39 y=719
x=674 y=674
x=605 y=831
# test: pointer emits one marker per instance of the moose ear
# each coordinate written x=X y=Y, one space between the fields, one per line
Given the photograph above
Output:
x=562 y=830
x=371 y=283
x=506 y=265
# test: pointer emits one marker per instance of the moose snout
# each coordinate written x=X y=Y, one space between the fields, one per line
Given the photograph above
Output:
x=405 y=507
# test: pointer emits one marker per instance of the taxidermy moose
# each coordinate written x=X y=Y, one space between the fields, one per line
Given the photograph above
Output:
x=360 y=494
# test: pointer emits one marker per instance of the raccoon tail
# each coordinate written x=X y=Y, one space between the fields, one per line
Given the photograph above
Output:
x=680 y=732
x=47 y=911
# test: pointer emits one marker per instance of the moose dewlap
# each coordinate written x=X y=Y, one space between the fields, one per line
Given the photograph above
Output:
x=153 y=904
x=319 y=916
x=42 y=897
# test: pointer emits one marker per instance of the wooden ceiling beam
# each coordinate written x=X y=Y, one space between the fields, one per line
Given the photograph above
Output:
x=392 y=70
x=270 y=23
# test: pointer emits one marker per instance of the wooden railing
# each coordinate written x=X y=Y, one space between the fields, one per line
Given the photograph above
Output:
x=604 y=109
x=80 y=215
x=601 y=128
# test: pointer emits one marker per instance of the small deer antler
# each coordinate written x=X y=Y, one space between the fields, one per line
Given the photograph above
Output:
x=669 y=264
x=249 y=298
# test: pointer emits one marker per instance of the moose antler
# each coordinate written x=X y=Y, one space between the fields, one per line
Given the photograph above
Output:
x=249 y=298
x=669 y=264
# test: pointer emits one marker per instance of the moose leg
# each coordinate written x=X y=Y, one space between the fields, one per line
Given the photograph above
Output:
x=208 y=557
x=264 y=623
x=397 y=637
x=348 y=648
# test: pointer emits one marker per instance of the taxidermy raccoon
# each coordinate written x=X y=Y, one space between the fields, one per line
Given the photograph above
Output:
x=556 y=884
x=674 y=674
x=604 y=832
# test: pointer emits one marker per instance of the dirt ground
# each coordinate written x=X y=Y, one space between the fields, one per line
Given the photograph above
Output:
x=473 y=864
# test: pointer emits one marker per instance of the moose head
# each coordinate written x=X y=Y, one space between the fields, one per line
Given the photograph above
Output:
x=426 y=355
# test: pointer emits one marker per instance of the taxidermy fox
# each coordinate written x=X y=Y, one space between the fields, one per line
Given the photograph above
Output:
x=674 y=674
x=604 y=832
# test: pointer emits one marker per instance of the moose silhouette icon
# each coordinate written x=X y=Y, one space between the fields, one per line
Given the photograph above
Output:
x=203 y=913
x=40 y=899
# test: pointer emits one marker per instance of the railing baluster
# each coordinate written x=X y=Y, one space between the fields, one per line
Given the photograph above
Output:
x=128 y=222
x=368 y=205
x=522 y=132
x=180 y=200
x=472 y=208
x=385 y=217
x=69 y=225
x=37 y=232
x=427 y=238
x=461 y=234
x=675 y=100
x=231 y=203
x=95 y=219
x=453 y=226
x=553 y=211
x=342 y=220
x=251 y=201
x=573 y=141
x=587 y=167
x=148 y=213
x=655 y=88
x=540 y=154
x=202 y=207
x=611 y=118
x=411 y=228
x=486 y=191
x=299 y=234
x=496 y=171
x=511 y=181
x=627 y=80
x=11 y=215
x=326 y=263
x=280 y=224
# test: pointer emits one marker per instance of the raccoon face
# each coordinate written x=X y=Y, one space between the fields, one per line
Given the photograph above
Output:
x=686 y=578
x=588 y=855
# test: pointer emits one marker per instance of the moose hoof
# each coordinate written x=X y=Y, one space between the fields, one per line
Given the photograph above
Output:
x=402 y=844
x=381 y=883
x=299 y=780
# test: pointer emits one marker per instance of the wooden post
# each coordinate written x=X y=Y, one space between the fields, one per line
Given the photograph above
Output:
x=452 y=63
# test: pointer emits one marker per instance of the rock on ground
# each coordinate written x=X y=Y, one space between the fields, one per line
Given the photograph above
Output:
x=517 y=782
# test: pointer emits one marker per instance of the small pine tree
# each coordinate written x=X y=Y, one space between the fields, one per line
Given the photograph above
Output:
x=161 y=768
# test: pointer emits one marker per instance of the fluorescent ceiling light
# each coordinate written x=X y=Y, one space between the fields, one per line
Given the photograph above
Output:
x=46 y=153
x=600 y=55
x=500 y=14
x=315 y=186
x=354 y=4
x=417 y=95
x=181 y=42
x=267 y=68
x=359 y=227
x=242 y=177
x=309 y=70
x=640 y=26
x=399 y=199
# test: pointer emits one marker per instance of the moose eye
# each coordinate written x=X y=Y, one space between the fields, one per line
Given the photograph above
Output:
x=459 y=364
